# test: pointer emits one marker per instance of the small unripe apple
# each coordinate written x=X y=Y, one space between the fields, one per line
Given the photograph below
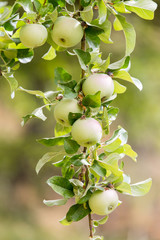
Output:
x=10 y=53
x=86 y=132
x=98 y=82
x=103 y=203
x=63 y=108
x=33 y=35
x=67 y=32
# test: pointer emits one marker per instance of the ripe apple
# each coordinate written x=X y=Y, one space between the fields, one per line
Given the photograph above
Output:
x=103 y=203
x=63 y=108
x=33 y=35
x=86 y=132
x=98 y=82
x=10 y=53
x=67 y=32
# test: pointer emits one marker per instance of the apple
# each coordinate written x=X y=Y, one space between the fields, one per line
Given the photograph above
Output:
x=63 y=108
x=86 y=132
x=98 y=82
x=67 y=32
x=33 y=35
x=103 y=203
x=10 y=53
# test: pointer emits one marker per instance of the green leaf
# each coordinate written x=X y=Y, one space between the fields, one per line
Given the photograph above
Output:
x=85 y=3
x=60 y=130
x=102 y=10
x=124 y=188
x=112 y=114
x=72 y=117
x=26 y=4
x=120 y=133
x=87 y=14
x=120 y=7
x=105 y=64
x=51 y=54
x=129 y=33
x=105 y=121
x=98 y=169
x=46 y=9
x=105 y=36
x=119 y=88
x=111 y=164
x=124 y=63
x=143 y=8
x=83 y=57
x=64 y=222
x=85 y=197
x=37 y=113
x=141 y=188
x=58 y=202
x=71 y=2
x=60 y=75
x=37 y=93
x=122 y=74
x=71 y=146
x=113 y=145
x=25 y=55
x=50 y=156
x=129 y=152
x=92 y=101
x=52 y=141
x=12 y=82
x=61 y=186
x=92 y=37
x=102 y=221
x=77 y=212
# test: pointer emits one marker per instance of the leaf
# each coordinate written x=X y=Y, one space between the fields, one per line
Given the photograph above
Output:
x=58 y=202
x=92 y=101
x=143 y=8
x=60 y=130
x=87 y=14
x=124 y=63
x=72 y=117
x=64 y=222
x=60 y=75
x=98 y=169
x=25 y=55
x=141 y=188
x=122 y=74
x=105 y=36
x=12 y=82
x=85 y=3
x=52 y=141
x=50 y=156
x=77 y=212
x=83 y=57
x=105 y=64
x=120 y=133
x=61 y=186
x=102 y=221
x=105 y=121
x=71 y=2
x=113 y=145
x=51 y=54
x=102 y=10
x=37 y=113
x=71 y=146
x=92 y=37
x=129 y=152
x=124 y=188
x=26 y=4
x=119 y=88
x=37 y=93
x=129 y=33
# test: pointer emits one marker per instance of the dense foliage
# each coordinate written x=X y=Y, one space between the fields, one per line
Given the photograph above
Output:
x=90 y=165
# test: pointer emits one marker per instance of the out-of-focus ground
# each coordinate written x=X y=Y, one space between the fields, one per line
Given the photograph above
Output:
x=22 y=213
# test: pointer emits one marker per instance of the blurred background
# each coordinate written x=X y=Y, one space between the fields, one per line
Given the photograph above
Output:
x=23 y=216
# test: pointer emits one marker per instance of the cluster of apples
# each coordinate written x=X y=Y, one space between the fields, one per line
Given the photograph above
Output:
x=85 y=131
x=67 y=32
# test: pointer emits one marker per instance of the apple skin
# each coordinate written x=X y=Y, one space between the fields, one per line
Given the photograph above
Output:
x=33 y=35
x=103 y=203
x=86 y=132
x=67 y=32
x=98 y=82
x=63 y=108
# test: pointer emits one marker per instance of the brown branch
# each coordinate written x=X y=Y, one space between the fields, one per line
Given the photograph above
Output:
x=83 y=47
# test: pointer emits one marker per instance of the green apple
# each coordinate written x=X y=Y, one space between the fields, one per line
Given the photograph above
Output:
x=10 y=53
x=33 y=35
x=103 y=203
x=63 y=108
x=86 y=132
x=67 y=32
x=98 y=82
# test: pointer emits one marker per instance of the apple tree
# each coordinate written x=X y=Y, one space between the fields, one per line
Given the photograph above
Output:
x=91 y=163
